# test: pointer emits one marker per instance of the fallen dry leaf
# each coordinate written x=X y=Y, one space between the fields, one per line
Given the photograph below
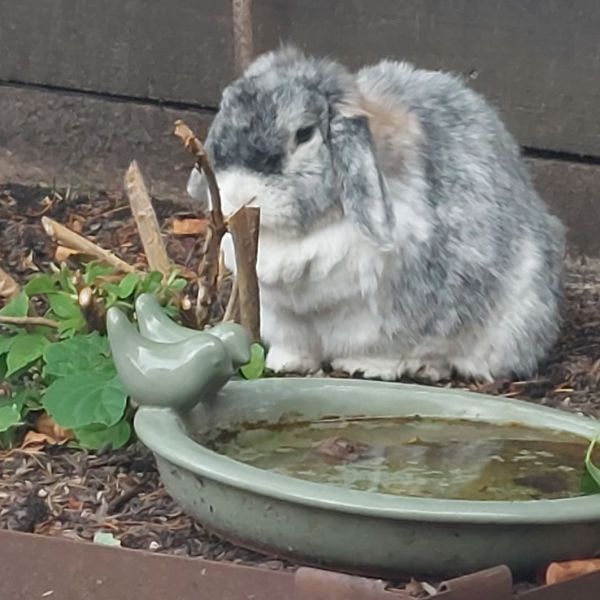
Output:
x=28 y=264
x=47 y=426
x=190 y=227
x=8 y=286
x=34 y=441
x=558 y=572
x=75 y=223
x=62 y=253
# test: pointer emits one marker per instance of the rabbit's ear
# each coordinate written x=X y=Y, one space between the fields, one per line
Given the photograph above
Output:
x=362 y=187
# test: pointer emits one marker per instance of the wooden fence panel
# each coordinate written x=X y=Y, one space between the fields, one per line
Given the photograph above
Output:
x=177 y=50
x=537 y=60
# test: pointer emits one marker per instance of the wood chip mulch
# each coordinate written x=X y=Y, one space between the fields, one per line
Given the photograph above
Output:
x=73 y=493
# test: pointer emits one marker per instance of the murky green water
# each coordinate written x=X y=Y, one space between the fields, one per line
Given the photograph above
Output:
x=418 y=457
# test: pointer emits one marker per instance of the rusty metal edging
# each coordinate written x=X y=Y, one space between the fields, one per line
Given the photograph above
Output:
x=33 y=566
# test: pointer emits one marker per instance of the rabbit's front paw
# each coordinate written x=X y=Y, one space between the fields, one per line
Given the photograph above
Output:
x=431 y=371
x=369 y=367
x=281 y=360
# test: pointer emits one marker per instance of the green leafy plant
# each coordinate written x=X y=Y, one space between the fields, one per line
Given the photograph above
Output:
x=60 y=362
x=255 y=369
x=59 y=358
x=591 y=478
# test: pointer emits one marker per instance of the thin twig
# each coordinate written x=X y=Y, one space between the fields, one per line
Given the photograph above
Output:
x=65 y=236
x=208 y=272
x=9 y=288
x=146 y=221
x=194 y=145
x=28 y=321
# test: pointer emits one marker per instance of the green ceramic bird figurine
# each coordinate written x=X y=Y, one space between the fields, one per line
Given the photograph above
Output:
x=167 y=365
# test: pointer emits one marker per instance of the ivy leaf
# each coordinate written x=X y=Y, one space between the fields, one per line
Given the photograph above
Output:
x=256 y=367
x=17 y=307
x=25 y=350
x=95 y=436
x=84 y=399
x=40 y=284
x=80 y=354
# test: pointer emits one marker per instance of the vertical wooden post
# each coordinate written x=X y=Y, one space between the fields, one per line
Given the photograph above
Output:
x=243 y=40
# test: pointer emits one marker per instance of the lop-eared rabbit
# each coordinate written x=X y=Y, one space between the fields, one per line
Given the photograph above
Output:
x=400 y=230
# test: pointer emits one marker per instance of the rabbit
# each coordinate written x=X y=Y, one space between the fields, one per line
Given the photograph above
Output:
x=400 y=235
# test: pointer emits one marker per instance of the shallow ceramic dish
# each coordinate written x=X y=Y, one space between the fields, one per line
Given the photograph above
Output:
x=321 y=524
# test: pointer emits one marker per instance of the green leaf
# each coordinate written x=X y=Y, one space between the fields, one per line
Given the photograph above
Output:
x=106 y=538
x=17 y=307
x=64 y=278
x=40 y=284
x=84 y=399
x=591 y=468
x=25 y=350
x=10 y=416
x=69 y=327
x=256 y=367
x=587 y=484
x=6 y=341
x=151 y=283
x=178 y=285
x=64 y=306
x=127 y=285
x=80 y=354
x=95 y=437
x=95 y=270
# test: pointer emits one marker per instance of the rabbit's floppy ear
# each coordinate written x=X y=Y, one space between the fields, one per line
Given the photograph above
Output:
x=361 y=184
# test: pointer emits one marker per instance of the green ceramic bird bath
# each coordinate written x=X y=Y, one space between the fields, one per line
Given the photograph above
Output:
x=184 y=383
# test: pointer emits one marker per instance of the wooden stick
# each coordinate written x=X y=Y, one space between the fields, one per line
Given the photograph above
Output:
x=146 y=221
x=28 y=321
x=244 y=227
x=243 y=39
x=232 y=311
x=63 y=235
x=9 y=288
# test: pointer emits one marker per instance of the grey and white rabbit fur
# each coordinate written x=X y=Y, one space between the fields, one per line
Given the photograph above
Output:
x=400 y=231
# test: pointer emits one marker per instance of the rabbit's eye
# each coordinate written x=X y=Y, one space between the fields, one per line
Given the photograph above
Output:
x=304 y=134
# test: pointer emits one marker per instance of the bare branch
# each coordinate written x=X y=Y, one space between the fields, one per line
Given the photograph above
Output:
x=146 y=221
x=64 y=236
x=28 y=321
